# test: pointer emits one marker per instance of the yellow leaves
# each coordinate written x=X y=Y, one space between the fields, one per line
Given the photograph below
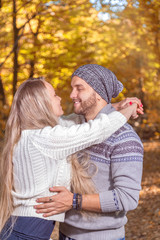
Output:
x=151 y=56
x=71 y=34
x=134 y=80
x=144 y=121
x=121 y=94
x=59 y=34
x=143 y=89
x=55 y=81
x=157 y=135
x=65 y=71
x=58 y=79
x=156 y=65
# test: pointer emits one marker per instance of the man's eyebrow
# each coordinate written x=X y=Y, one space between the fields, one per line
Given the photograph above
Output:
x=78 y=85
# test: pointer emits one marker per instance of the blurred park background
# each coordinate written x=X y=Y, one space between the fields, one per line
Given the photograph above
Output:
x=52 y=38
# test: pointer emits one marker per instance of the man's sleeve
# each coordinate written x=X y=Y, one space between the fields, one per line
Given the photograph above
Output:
x=126 y=172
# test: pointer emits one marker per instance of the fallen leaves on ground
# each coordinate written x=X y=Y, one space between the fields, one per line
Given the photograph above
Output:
x=144 y=222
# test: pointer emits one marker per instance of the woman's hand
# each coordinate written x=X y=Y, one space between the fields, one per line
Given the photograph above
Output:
x=61 y=202
x=131 y=111
x=127 y=102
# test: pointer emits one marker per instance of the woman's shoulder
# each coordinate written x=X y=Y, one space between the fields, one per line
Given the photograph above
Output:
x=42 y=131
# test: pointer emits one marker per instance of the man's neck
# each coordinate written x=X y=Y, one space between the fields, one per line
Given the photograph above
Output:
x=91 y=115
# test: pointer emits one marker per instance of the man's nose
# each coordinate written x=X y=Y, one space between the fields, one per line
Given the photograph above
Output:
x=73 y=94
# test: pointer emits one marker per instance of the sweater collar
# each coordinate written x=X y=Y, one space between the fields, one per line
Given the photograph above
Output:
x=107 y=109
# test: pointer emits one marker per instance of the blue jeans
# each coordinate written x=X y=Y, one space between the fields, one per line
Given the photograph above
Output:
x=27 y=228
x=63 y=237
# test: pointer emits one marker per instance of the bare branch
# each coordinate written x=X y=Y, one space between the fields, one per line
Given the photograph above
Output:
x=30 y=25
x=29 y=1
x=34 y=15
x=15 y=45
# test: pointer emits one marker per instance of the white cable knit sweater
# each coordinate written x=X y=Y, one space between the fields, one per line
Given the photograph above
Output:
x=40 y=159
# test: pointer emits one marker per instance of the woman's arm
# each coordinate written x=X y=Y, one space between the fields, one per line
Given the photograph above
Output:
x=73 y=118
x=60 y=142
x=128 y=101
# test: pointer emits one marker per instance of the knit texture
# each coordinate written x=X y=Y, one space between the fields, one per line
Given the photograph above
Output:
x=101 y=79
x=119 y=161
x=39 y=159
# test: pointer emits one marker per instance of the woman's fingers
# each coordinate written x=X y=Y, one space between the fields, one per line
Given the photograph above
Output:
x=129 y=101
x=140 y=111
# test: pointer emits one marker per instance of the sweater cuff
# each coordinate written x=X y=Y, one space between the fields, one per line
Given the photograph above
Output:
x=109 y=201
x=117 y=117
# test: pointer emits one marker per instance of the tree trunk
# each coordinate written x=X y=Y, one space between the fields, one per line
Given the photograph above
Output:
x=35 y=43
x=32 y=62
x=2 y=93
x=15 y=52
x=141 y=91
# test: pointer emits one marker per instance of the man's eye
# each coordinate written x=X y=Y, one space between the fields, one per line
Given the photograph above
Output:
x=79 y=89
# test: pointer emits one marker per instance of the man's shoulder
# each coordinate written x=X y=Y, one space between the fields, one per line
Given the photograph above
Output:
x=125 y=133
x=68 y=120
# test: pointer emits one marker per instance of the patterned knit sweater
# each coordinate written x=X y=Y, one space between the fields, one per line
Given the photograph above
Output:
x=39 y=159
x=118 y=182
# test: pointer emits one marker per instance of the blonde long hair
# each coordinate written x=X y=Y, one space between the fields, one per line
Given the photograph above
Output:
x=82 y=172
x=81 y=178
x=31 y=109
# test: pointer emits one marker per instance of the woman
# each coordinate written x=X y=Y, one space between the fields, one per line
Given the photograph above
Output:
x=27 y=170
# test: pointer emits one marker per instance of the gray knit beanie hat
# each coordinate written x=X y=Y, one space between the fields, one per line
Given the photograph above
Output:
x=101 y=79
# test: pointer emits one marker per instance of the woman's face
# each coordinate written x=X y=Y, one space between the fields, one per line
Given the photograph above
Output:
x=56 y=100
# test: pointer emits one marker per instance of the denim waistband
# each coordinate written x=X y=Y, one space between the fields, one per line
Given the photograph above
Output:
x=31 y=228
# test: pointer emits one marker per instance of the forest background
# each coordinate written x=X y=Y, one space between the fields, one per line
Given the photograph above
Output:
x=52 y=38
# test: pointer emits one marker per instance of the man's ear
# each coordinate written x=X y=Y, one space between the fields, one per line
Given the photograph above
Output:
x=99 y=98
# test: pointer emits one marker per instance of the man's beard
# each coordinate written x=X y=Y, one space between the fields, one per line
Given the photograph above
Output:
x=87 y=106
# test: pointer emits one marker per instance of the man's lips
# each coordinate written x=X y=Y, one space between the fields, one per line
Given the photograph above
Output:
x=76 y=101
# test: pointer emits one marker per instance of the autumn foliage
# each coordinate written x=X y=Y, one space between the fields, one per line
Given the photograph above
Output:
x=52 y=38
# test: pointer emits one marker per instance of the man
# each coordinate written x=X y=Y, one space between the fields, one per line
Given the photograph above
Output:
x=118 y=160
